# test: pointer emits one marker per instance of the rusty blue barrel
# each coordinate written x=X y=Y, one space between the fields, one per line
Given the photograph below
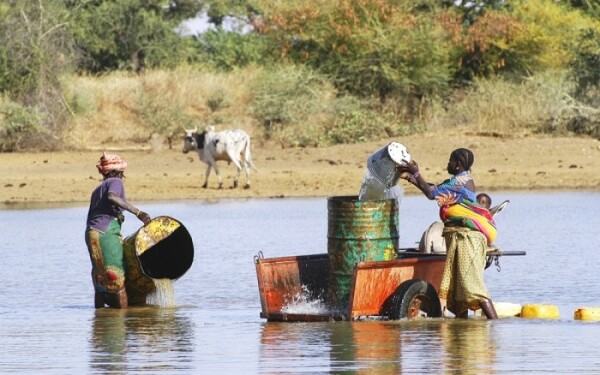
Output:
x=162 y=249
x=358 y=231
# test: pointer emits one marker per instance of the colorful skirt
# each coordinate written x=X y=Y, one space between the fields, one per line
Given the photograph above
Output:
x=462 y=282
x=106 y=254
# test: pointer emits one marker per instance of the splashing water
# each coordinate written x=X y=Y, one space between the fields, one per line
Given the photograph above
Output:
x=302 y=303
x=373 y=189
x=164 y=295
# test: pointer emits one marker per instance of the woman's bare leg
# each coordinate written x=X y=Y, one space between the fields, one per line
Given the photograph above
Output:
x=123 y=300
x=98 y=300
x=488 y=309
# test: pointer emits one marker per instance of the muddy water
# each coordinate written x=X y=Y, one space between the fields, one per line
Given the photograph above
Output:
x=48 y=323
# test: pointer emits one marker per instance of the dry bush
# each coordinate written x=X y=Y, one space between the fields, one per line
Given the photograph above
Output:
x=122 y=109
x=502 y=106
x=110 y=118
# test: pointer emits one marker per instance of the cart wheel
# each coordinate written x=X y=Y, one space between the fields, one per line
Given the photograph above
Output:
x=413 y=299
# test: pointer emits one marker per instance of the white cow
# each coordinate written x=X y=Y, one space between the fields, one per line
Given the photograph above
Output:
x=232 y=146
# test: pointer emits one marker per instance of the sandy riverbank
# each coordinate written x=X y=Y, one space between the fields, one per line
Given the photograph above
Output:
x=501 y=163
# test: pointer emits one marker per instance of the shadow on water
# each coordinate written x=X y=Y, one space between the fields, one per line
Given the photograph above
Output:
x=120 y=338
x=428 y=345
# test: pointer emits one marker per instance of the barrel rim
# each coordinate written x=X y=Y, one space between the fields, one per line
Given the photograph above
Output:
x=138 y=233
x=352 y=198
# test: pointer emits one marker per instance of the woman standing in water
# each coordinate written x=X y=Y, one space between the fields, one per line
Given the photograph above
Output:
x=103 y=233
x=468 y=229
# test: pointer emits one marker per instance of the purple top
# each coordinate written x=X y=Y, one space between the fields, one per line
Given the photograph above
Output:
x=454 y=190
x=102 y=211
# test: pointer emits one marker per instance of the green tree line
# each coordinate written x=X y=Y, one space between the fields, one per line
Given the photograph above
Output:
x=386 y=61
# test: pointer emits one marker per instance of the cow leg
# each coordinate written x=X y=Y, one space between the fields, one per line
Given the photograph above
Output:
x=206 y=176
x=236 y=178
x=235 y=160
x=218 y=173
x=247 y=168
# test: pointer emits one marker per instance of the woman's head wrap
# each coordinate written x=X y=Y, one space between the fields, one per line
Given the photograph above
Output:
x=465 y=157
x=111 y=162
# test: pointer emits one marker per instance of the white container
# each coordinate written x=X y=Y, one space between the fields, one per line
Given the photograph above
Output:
x=383 y=163
x=382 y=174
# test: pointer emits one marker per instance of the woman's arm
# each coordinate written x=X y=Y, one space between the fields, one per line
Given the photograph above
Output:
x=414 y=177
x=114 y=198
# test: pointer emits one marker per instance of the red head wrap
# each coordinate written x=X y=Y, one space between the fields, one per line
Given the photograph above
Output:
x=111 y=162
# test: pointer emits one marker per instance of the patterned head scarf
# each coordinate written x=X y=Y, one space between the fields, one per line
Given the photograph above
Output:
x=111 y=162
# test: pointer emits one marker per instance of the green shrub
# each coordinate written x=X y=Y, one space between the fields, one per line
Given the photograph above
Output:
x=585 y=125
x=79 y=100
x=19 y=126
x=585 y=67
x=357 y=120
x=227 y=50
x=290 y=102
x=216 y=100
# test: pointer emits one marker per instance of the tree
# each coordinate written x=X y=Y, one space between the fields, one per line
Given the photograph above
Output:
x=36 y=49
x=585 y=67
x=217 y=10
x=130 y=34
x=368 y=47
x=591 y=7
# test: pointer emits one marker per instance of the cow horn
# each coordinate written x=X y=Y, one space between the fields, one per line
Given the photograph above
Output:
x=190 y=130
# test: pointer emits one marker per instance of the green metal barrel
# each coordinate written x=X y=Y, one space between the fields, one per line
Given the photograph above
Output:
x=162 y=249
x=358 y=231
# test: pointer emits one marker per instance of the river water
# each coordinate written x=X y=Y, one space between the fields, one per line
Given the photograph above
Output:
x=48 y=323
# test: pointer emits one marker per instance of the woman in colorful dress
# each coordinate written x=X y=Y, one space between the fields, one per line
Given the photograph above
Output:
x=103 y=233
x=468 y=230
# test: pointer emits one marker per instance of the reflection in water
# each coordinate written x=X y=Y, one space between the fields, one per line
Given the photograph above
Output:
x=366 y=348
x=109 y=341
x=119 y=337
x=470 y=347
x=421 y=346
x=289 y=348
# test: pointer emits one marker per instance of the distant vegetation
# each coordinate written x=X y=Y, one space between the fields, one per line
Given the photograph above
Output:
x=75 y=74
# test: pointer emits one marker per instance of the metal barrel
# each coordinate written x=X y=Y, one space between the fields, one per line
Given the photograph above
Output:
x=162 y=249
x=357 y=231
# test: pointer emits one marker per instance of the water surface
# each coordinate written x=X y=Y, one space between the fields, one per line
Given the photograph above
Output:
x=49 y=324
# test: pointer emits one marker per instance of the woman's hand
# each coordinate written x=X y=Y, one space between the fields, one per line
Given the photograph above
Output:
x=144 y=217
x=413 y=167
x=405 y=175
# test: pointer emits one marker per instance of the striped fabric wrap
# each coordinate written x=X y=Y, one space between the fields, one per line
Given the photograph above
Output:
x=471 y=215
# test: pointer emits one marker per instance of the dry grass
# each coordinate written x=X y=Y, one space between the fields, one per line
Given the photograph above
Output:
x=501 y=106
x=122 y=110
x=111 y=107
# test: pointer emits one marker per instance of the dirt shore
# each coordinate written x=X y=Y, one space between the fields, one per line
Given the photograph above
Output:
x=501 y=163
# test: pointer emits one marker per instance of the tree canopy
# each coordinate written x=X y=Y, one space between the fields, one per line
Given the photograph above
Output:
x=389 y=50
x=131 y=34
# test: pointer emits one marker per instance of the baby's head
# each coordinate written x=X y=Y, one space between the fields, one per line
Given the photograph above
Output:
x=484 y=200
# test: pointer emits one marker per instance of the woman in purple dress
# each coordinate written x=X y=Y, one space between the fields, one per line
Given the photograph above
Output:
x=103 y=233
